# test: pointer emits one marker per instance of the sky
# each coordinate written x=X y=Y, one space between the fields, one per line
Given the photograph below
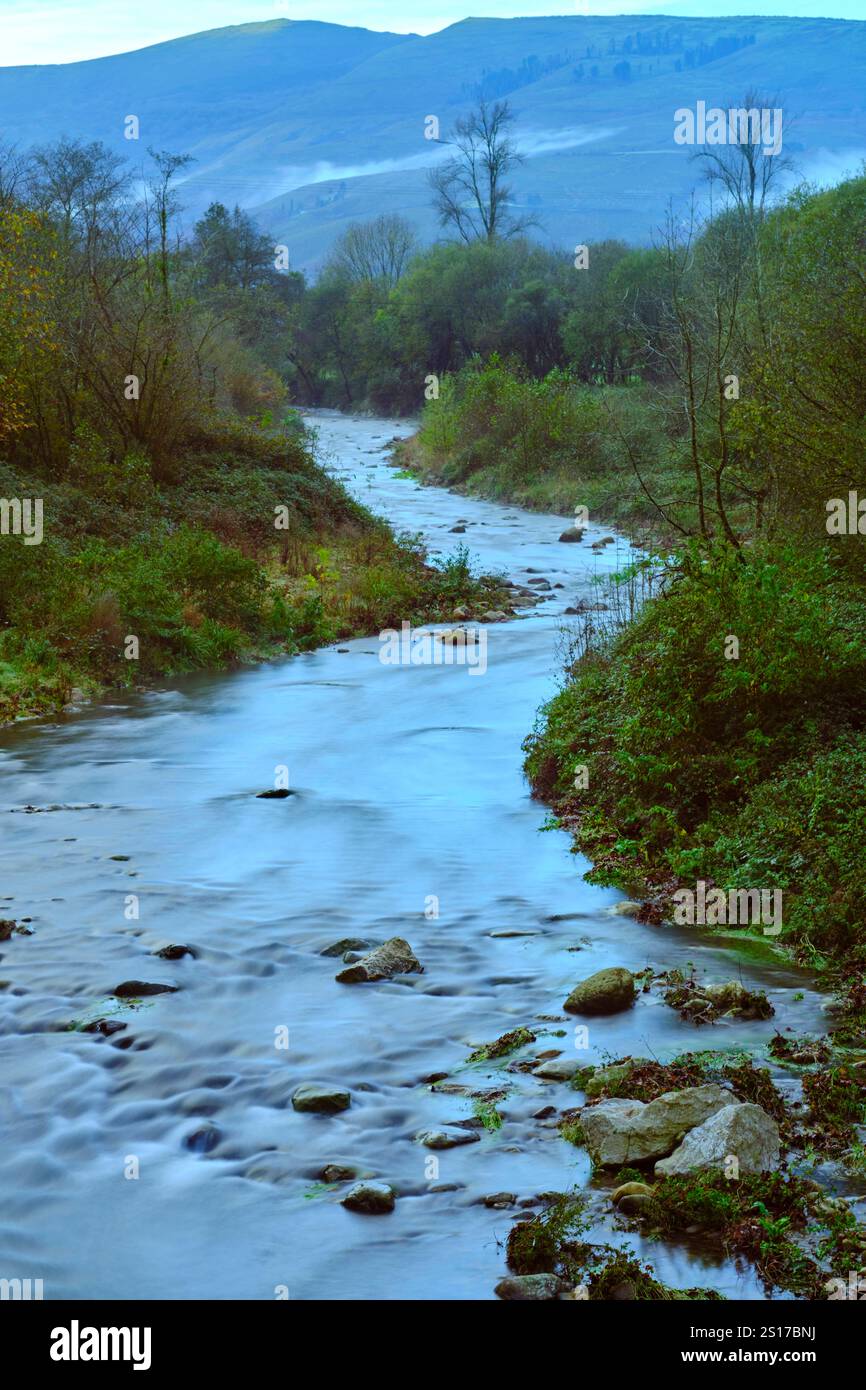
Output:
x=64 y=31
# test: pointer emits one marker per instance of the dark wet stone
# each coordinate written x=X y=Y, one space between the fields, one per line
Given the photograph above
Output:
x=458 y=530
x=624 y=1292
x=446 y=1137
x=606 y=992
x=138 y=989
x=175 y=952
x=318 y=1099
x=393 y=957
x=633 y=1204
x=203 y=1140
x=7 y=927
x=338 y=1172
x=499 y=1200
x=371 y=1198
x=530 y=1287
x=105 y=1026
x=346 y=943
x=275 y=794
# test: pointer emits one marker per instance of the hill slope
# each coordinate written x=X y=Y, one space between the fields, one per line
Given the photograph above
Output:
x=314 y=124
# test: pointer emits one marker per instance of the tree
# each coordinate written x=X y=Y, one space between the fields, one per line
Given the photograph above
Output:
x=26 y=330
x=163 y=203
x=744 y=170
x=745 y=174
x=378 y=250
x=229 y=250
x=470 y=192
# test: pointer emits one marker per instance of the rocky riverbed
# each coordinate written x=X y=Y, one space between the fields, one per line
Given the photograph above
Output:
x=311 y=1092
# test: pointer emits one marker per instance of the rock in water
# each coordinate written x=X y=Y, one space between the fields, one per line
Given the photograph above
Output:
x=733 y=998
x=276 y=794
x=744 y=1132
x=572 y=533
x=346 y=943
x=394 y=957
x=633 y=1204
x=606 y=992
x=626 y=908
x=203 y=1140
x=525 y=1287
x=137 y=989
x=447 y=1137
x=320 y=1100
x=175 y=952
x=338 y=1172
x=618 y=1132
x=557 y=1069
x=371 y=1198
x=631 y=1189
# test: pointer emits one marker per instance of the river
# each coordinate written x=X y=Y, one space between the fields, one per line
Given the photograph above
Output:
x=408 y=786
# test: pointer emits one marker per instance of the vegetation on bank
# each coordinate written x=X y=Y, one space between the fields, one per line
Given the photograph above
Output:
x=723 y=730
x=707 y=395
x=742 y=773
x=548 y=444
x=182 y=519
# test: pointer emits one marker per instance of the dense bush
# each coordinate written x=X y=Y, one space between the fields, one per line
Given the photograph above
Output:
x=736 y=770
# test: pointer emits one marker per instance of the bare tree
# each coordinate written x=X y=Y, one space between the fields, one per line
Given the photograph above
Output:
x=469 y=188
x=696 y=345
x=746 y=169
x=13 y=170
x=746 y=173
x=378 y=250
x=163 y=203
x=79 y=186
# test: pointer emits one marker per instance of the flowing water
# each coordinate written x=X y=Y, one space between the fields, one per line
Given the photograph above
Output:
x=408 y=786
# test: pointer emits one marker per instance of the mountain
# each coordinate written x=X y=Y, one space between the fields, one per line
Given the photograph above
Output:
x=312 y=125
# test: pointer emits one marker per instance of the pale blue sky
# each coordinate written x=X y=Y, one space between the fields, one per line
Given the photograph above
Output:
x=63 y=31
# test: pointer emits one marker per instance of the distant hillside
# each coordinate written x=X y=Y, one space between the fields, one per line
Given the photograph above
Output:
x=313 y=125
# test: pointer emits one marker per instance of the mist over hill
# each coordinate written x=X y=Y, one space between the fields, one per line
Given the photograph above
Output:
x=312 y=125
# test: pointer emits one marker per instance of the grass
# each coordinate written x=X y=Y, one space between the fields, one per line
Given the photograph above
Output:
x=554 y=444
x=743 y=773
x=196 y=569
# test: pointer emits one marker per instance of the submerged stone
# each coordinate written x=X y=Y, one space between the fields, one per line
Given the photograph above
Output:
x=317 y=1099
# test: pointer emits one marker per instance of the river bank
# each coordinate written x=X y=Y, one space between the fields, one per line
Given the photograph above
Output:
x=407 y=788
x=246 y=552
